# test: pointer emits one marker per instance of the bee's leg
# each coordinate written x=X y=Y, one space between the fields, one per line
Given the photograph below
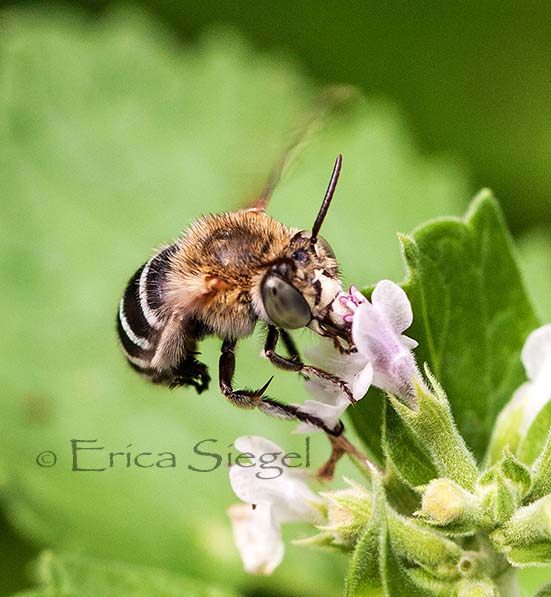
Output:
x=280 y=410
x=290 y=346
x=190 y=372
x=292 y=365
x=226 y=369
x=255 y=399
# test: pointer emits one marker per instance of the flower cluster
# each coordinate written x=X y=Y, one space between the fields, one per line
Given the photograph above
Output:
x=504 y=508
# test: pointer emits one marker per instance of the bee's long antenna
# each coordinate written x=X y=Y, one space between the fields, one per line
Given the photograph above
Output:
x=327 y=199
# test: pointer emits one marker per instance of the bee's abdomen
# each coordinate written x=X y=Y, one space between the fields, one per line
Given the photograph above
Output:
x=139 y=319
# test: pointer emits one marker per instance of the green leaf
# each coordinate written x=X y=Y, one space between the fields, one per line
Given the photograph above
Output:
x=77 y=576
x=396 y=581
x=502 y=488
x=471 y=313
x=471 y=318
x=417 y=544
x=535 y=554
x=408 y=457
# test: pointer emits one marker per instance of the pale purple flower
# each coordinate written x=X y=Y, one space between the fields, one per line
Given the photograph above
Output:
x=272 y=496
x=377 y=328
x=383 y=356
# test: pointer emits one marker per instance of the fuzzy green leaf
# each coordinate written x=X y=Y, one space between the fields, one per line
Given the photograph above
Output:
x=388 y=543
x=405 y=453
x=525 y=539
x=396 y=580
x=471 y=313
x=502 y=489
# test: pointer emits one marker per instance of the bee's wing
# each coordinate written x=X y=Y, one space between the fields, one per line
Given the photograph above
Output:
x=276 y=174
x=329 y=101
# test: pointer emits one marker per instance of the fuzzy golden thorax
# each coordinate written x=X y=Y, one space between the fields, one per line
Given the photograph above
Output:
x=218 y=260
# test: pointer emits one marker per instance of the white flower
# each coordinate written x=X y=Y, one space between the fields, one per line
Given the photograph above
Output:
x=383 y=356
x=536 y=358
x=533 y=395
x=274 y=493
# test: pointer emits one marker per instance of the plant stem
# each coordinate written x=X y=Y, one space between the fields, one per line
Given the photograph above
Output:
x=340 y=446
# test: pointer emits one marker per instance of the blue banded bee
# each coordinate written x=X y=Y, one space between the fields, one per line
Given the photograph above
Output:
x=224 y=274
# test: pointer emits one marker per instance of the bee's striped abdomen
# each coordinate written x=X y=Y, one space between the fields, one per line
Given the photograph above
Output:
x=139 y=319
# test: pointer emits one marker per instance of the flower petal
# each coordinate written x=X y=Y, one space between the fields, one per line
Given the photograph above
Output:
x=268 y=480
x=329 y=401
x=361 y=382
x=536 y=353
x=328 y=409
x=393 y=304
x=257 y=537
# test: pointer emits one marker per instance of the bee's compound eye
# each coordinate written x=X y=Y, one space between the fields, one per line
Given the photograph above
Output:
x=326 y=247
x=284 y=304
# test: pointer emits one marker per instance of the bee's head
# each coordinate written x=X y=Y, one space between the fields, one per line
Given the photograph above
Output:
x=298 y=289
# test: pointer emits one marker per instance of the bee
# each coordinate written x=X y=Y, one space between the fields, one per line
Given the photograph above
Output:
x=227 y=272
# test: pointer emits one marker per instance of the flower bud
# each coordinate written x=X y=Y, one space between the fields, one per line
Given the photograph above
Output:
x=445 y=503
x=501 y=490
x=477 y=588
x=348 y=511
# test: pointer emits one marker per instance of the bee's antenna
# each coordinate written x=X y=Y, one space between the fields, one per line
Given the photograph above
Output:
x=327 y=199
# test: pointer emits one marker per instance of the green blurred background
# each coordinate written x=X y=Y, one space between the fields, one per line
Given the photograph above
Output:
x=119 y=124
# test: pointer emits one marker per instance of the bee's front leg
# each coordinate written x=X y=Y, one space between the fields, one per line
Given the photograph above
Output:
x=294 y=365
x=290 y=346
x=256 y=399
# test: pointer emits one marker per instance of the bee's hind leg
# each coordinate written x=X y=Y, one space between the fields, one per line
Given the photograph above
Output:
x=190 y=372
x=294 y=364
x=255 y=398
